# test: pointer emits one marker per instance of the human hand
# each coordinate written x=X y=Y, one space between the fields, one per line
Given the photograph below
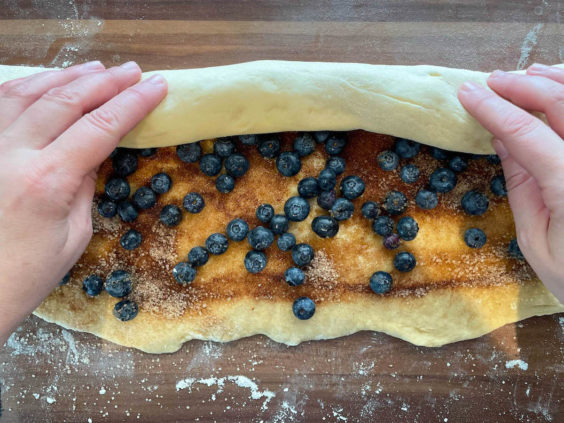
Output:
x=532 y=155
x=56 y=127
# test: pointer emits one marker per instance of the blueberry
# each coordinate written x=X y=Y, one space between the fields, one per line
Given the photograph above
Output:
x=321 y=136
x=269 y=148
x=93 y=285
x=335 y=144
x=407 y=228
x=117 y=189
x=260 y=238
x=475 y=203
x=514 y=250
x=107 y=208
x=126 y=211
x=286 y=241
x=250 y=139
x=395 y=203
x=184 y=273
x=296 y=209
x=439 y=153
x=352 y=187
x=426 y=199
x=303 y=308
x=474 y=238
x=236 y=165
x=383 y=225
x=458 y=164
x=337 y=164
x=327 y=179
x=392 y=241
x=325 y=226
x=294 y=276
x=114 y=152
x=126 y=310
x=161 y=183
x=225 y=183
x=409 y=173
x=224 y=147
x=406 y=149
x=255 y=261
x=189 y=153
x=370 y=210
x=65 y=279
x=302 y=254
x=304 y=144
x=171 y=215
x=493 y=159
x=198 y=256
x=381 y=283
x=265 y=212
x=118 y=283
x=288 y=163
x=497 y=186
x=237 y=230
x=404 y=261
x=342 y=209
x=124 y=162
x=217 y=244
x=144 y=198
x=308 y=187
x=147 y=152
x=193 y=202
x=326 y=199
x=442 y=180
x=210 y=164
x=388 y=160
x=131 y=239
x=279 y=224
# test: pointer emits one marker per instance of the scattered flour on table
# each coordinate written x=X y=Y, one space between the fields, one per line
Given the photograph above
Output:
x=530 y=41
x=511 y=364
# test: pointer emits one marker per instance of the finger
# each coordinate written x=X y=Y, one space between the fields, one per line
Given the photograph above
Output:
x=92 y=138
x=551 y=72
x=18 y=95
x=528 y=140
x=532 y=93
x=60 y=107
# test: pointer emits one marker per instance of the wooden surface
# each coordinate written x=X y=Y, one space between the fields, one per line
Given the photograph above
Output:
x=50 y=374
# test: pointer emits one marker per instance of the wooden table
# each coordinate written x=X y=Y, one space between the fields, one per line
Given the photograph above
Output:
x=50 y=374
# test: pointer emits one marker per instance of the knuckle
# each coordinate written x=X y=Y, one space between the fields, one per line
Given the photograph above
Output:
x=519 y=124
x=517 y=179
x=22 y=89
x=64 y=96
x=104 y=120
x=6 y=86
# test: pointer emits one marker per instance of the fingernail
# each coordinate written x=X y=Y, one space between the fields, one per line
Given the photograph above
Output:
x=130 y=66
x=538 y=67
x=497 y=74
x=156 y=80
x=96 y=64
x=500 y=149
x=470 y=86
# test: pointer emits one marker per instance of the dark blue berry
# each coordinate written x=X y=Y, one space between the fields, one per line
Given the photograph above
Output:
x=193 y=202
x=124 y=162
x=494 y=159
x=321 y=136
x=265 y=212
x=236 y=165
x=184 y=273
x=475 y=203
x=381 y=283
x=302 y=254
x=225 y=183
x=250 y=139
x=161 y=183
x=147 y=152
x=118 y=283
x=407 y=228
x=342 y=209
x=388 y=160
x=303 y=308
x=255 y=261
x=327 y=180
x=474 y=238
x=127 y=211
x=114 y=152
x=210 y=164
x=288 y=163
x=269 y=148
x=107 y=208
x=294 y=276
x=171 y=215
x=336 y=164
x=325 y=226
x=65 y=279
x=304 y=144
x=198 y=256
x=326 y=199
x=296 y=209
x=144 y=198
x=117 y=189
x=335 y=144
x=131 y=239
x=409 y=173
x=126 y=310
x=458 y=164
x=383 y=225
x=406 y=149
x=286 y=241
x=224 y=147
x=392 y=241
x=279 y=224
x=217 y=244
x=498 y=187
x=93 y=285
x=514 y=250
x=442 y=180
x=439 y=153
x=404 y=261
x=395 y=203
x=237 y=230
x=426 y=199
x=189 y=153
x=370 y=210
x=260 y=238
x=308 y=187
x=352 y=187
